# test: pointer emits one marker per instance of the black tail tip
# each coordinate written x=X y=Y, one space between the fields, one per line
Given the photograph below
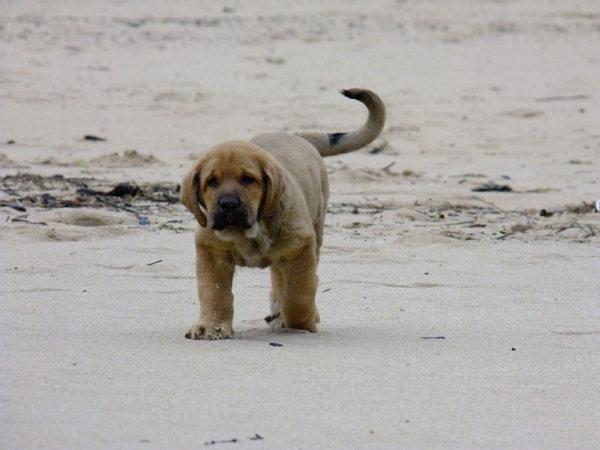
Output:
x=352 y=93
x=355 y=93
x=362 y=95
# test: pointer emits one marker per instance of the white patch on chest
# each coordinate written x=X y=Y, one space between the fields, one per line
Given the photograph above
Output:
x=252 y=244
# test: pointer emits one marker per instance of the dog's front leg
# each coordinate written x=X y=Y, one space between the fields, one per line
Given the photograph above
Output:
x=298 y=299
x=275 y=319
x=214 y=275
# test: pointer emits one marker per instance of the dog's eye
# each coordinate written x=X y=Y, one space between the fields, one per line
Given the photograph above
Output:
x=247 y=180
x=212 y=182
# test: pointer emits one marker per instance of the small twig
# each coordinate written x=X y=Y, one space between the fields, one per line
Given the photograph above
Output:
x=573 y=225
x=229 y=441
x=592 y=232
x=466 y=222
x=506 y=235
x=431 y=216
x=386 y=168
x=587 y=233
x=474 y=197
x=24 y=220
x=155 y=262
x=562 y=98
x=114 y=205
x=91 y=137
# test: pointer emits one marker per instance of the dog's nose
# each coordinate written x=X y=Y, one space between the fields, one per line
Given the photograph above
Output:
x=228 y=203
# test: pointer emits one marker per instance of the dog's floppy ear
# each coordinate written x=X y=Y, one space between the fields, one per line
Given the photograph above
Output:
x=190 y=194
x=274 y=187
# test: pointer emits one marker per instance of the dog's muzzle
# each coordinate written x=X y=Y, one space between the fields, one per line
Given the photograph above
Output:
x=230 y=211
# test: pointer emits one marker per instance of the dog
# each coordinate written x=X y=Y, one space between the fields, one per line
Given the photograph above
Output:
x=262 y=203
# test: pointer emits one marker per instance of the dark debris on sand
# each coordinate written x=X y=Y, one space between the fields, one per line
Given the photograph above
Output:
x=22 y=191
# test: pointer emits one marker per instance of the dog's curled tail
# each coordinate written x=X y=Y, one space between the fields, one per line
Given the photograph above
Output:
x=331 y=144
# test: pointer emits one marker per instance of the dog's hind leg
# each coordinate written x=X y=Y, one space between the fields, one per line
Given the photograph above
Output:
x=298 y=301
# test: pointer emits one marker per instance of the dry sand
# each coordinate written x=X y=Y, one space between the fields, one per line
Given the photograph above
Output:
x=478 y=92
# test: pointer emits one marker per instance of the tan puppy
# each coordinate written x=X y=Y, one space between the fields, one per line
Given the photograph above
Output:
x=262 y=204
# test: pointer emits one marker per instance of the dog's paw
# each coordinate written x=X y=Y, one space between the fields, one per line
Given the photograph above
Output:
x=208 y=332
x=275 y=320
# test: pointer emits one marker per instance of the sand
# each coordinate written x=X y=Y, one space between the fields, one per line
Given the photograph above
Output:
x=451 y=318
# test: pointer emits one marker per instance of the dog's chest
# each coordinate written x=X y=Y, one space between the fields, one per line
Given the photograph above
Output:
x=249 y=252
x=252 y=254
x=251 y=260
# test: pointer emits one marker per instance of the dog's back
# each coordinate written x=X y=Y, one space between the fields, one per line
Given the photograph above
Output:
x=304 y=164
x=302 y=154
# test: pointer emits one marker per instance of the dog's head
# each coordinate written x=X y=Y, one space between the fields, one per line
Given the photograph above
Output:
x=237 y=183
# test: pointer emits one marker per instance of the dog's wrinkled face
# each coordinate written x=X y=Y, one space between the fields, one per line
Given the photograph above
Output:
x=231 y=187
x=237 y=183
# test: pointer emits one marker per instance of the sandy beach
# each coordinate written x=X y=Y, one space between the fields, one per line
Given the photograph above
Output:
x=459 y=281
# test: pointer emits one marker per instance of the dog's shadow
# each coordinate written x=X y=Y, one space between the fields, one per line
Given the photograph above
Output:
x=258 y=330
